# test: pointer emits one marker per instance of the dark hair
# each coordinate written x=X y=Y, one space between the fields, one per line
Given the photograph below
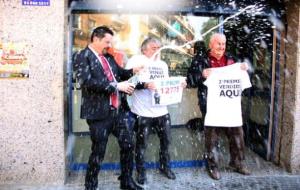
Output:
x=199 y=47
x=100 y=32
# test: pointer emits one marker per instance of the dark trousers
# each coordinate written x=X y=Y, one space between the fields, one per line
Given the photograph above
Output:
x=161 y=125
x=235 y=136
x=117 y=124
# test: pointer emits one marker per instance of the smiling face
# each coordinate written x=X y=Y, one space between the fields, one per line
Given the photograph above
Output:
x=217 y=45
x=102 y=44
x=150 y=49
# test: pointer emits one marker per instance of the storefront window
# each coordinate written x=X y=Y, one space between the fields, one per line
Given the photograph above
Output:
x=130 y=30
x=248 y=38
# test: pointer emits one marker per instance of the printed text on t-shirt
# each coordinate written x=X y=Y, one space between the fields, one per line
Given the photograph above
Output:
x=230 y=88
x=156 y=72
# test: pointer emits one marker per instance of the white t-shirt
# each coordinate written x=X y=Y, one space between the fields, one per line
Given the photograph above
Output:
x=140 y=102
x=225 y=86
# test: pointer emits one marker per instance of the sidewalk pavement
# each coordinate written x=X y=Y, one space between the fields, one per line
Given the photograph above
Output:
x=265 y=176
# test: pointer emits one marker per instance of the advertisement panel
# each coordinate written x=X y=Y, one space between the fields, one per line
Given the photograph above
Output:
x=13 y=60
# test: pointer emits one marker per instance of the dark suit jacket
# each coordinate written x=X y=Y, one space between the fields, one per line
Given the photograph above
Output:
x=95 y=86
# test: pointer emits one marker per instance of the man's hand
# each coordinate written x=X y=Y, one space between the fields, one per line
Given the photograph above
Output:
x=244 y=66
x=183 y=84
x=126 y=87
x=138 y=68
x=150 y=85
x=206 y=73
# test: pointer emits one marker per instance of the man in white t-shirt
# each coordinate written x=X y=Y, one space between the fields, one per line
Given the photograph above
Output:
x=149 y=116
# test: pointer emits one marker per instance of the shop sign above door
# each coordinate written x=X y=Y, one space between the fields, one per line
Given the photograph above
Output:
x=36 y=2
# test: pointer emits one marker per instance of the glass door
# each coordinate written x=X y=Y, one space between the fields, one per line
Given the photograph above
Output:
x=251 y=39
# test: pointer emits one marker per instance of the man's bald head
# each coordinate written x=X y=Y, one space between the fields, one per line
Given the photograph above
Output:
x=215 y=38
x=217 y=45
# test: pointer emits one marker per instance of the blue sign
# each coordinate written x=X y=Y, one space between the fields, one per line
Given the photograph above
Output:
x=36 y=2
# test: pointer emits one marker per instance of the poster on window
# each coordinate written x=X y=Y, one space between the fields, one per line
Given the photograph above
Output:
x=169 y=91
x=13 y=60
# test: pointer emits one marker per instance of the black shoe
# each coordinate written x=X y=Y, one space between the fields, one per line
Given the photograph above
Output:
x=214 y=173
x=90 y=188
x=241 y=168
x=141 y=177
x=168 y=173
x=129 y=184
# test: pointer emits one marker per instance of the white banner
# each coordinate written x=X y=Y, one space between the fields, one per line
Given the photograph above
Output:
x=169 y=91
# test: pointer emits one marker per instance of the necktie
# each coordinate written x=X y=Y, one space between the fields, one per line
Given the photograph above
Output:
x=113 y=97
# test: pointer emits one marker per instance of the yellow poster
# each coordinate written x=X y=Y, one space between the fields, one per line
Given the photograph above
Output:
x=13 y=60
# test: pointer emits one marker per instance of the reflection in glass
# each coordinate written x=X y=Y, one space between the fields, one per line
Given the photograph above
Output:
x=130 y=30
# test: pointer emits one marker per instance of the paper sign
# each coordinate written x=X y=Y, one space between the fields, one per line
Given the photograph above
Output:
x=36 y=2
x=169 y=91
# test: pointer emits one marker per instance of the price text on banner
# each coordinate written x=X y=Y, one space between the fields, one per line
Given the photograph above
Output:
x=169 y=91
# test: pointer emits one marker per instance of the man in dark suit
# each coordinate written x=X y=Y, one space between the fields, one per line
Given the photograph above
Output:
x=104 y=105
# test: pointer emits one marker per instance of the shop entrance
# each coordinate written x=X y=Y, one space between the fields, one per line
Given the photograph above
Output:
x=248 y=42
